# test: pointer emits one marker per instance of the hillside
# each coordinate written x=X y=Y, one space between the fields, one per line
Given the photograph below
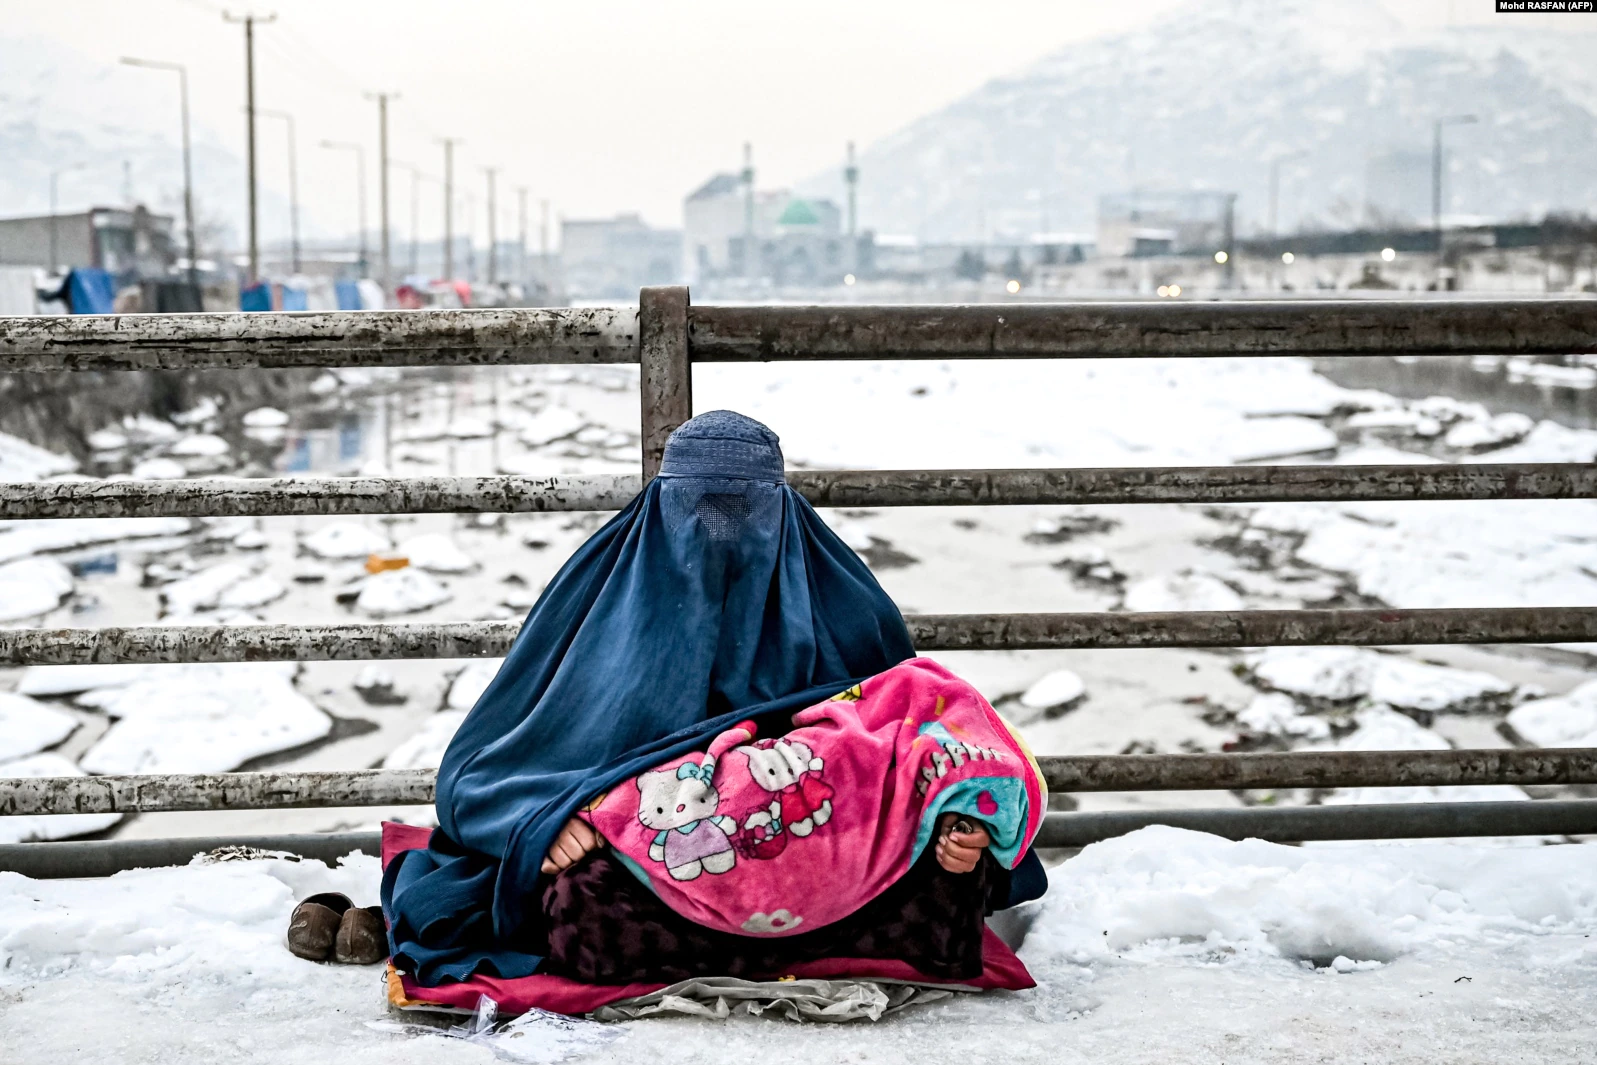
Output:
x=1208 y=96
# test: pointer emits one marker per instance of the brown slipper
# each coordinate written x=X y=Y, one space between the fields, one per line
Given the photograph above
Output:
x=315 y=925
x=362 y=936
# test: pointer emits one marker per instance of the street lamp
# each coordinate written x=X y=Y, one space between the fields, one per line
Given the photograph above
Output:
x=360 y=179
x=1436 y=173
x=55 y=177
x=415 y=210
x=188 y=169
x=1275 y=184
x=293 y=184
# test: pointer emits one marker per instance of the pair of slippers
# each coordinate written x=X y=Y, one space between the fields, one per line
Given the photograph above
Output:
x=329 y=927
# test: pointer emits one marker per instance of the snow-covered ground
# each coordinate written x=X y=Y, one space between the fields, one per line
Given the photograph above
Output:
x=1162 y=946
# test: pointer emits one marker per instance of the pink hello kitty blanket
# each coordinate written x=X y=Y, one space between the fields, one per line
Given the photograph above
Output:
x=766 y=837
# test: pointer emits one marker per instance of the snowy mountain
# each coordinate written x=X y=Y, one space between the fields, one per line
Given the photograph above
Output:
x=1211 y=93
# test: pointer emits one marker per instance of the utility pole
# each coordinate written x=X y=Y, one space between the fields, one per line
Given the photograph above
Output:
x=415 y=212
x=470 y=234
x=293 y=186
x=188 y=169
x=1436 y=175
x=449 y=205
x=750 y=268
x=382 y=98
x=543 y=232
x=249 y=22
x=493 y=239
x=360 y=192
x=521 y=243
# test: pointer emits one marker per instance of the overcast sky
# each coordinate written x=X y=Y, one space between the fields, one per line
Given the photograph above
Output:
x=599 y=106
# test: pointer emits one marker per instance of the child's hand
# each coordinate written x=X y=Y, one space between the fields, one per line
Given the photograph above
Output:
x=574 y=841
x=959 y=849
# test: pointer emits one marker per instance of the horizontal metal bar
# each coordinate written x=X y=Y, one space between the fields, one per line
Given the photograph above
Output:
x=930 y=632
x=167 y=792
x=1281 y=771
x=1073 y=773
x=215 y=497
x=1165 y=328
x=320 y=338
x=735 y=334
x=1194 y=484
x=1297 y=824
x=228 y=496
x=1251 y=628
x=1571 y=817
x=105 y=857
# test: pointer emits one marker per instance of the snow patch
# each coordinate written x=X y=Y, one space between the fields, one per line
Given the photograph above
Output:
x=28 y=726
x=202 y=718
x=425 y=750
x=437 y=553
x=31 y=587
x=344 y=539
x=400 y=591
x=1190 y=590
x=1568 y=720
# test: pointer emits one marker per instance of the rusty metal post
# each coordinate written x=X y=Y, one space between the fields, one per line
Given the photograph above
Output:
x=665 y=369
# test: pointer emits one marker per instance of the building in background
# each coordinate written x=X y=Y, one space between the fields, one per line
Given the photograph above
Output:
x=131 y=244
x=612 y=258
x=1147 y=222
x=796 y=240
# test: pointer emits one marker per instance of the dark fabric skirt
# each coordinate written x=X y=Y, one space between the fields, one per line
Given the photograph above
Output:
x=605 y=927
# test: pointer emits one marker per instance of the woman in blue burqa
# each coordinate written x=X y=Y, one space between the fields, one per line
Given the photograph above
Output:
x=717 y=595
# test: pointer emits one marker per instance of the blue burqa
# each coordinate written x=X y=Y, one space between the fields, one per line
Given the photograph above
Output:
x=716 y=595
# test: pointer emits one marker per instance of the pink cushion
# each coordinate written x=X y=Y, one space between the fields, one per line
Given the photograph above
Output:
x=557 y=994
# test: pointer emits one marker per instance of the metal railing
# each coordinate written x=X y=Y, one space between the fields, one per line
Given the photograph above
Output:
x=664 y=336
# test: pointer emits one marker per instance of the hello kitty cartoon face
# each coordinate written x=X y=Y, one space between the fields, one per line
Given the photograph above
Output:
x=780 y=764
x=669 y=801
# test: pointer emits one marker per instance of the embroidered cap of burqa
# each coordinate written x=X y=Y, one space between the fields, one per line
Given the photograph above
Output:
x=717 y=594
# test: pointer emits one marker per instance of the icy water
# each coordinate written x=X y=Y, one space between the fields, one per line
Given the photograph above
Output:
x=1560 y=393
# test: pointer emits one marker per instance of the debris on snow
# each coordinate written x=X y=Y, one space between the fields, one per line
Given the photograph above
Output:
x=377 y=686
x=400 y=591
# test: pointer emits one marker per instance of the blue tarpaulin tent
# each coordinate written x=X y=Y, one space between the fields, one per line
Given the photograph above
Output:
x=348 y=296
x=256 y=297
x=92 y=291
